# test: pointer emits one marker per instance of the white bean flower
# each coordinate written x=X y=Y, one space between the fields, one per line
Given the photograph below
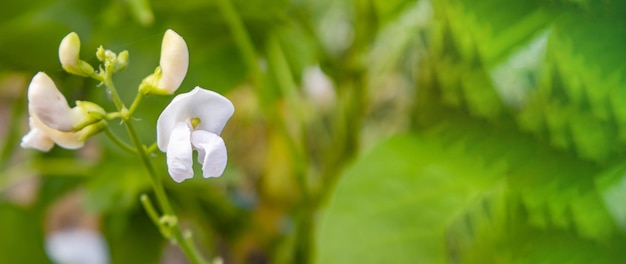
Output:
x=77 y=245
x=172 y=68
x=53 y=121
x=194 y=121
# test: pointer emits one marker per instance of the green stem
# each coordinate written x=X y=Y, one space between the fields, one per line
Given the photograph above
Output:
x=147 y=205
x=151 y=148
x=135 y=103
x=286 y=83
x=243 y=41
x=118 y=141
x=188 y=248
x=111 y=116
x=13 y=130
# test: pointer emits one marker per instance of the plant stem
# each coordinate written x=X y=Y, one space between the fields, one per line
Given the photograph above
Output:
x=135 y=103
x=188 y=248
x=13 y=130
x=242 y=39
x=118 y=141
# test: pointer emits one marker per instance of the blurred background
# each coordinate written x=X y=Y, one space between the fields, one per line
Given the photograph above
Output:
x=365 y=131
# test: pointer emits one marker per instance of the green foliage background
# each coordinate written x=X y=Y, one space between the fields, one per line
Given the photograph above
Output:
x=460 y=131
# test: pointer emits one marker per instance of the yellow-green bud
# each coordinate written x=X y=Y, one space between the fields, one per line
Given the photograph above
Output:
x=122 y=61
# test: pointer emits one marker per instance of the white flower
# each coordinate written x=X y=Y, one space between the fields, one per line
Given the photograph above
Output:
x=172 y=67
x=194 y=120
x=77 y=246
x=53 y=121
x=318 y=87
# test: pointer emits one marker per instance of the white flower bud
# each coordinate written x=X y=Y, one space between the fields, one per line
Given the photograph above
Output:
x=69 y=55
x=172 y=68
x=69 y=51
x=174 y=61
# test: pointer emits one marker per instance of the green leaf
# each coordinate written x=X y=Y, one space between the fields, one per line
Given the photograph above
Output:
x=394 y=204
x=22 y=235
x=132 y=238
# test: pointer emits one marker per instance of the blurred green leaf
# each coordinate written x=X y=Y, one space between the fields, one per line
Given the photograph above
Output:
x=132 y=237
x=22 y=235
x=394 y=204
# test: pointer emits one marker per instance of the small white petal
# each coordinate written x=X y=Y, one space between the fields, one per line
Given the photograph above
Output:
x=49 y=105
x=36 y=139
x=211 y=152
x=211 y=108
x=179 y=153
x=174 y=61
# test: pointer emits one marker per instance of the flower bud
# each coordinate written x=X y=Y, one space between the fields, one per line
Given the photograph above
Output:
x=100 y=54
x=69 y=55
x=172 y=68
x=122 y=61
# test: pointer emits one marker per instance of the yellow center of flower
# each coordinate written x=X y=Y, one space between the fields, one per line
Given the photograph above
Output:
x=195 y=122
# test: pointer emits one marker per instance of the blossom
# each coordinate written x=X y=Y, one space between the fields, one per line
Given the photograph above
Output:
x=69 y=55
x=194 y=121
x=318 y=87
x=77 y=245
x=53 y=121
x=172 y=66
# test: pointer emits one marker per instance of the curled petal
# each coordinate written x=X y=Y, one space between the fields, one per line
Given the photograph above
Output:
x=211 y=152
x=36 y=139
x=212 y=109
x=174 y=61
x=41 y=137
x=179 y=153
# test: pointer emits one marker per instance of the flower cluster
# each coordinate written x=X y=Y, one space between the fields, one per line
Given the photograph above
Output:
x=192 y=121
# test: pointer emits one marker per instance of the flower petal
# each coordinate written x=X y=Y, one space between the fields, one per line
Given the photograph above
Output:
x=174 y=61
x=211 y=152
x=49 y=105
x=36 y=139
x=68 y=140
x=211 y=108
x=179 y=153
